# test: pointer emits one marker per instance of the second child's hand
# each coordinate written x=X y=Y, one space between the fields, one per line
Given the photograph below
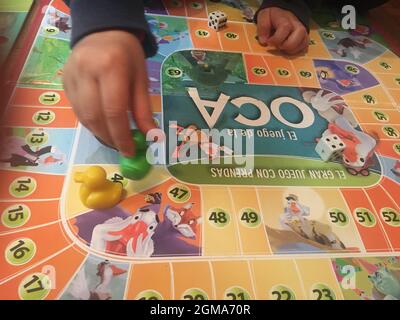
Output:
x=281 y=28
x=104 y=78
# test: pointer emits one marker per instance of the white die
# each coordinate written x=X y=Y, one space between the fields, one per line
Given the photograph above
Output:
x=217 y=20
x=330 y=147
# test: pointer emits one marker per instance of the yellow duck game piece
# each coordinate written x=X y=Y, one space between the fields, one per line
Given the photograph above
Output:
x=96 y=192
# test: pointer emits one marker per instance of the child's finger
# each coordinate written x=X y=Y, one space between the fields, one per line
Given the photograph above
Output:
x=295 y=39
x=115 y=93
x=87 y=106
x=141 y=105
x=69 y=84
x=282 y=32
x=301 y=47
x=264 y=27
x=304 y=45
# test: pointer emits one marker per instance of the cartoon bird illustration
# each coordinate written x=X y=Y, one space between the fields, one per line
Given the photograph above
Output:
x=193 y=136
x=294 y=219
x=396 y=168
x=183 y=219
x=329 y=105
x=293 y=216
x=53 y=160
x=177 y=226
x=17 y=153
x=62 y=23
x=360 y=146
x=352 y=45
x=338 y=77
x=106 y=272
x=294 y=209
x=131 y=236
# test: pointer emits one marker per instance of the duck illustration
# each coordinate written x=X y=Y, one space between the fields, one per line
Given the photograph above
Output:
x=96 y=192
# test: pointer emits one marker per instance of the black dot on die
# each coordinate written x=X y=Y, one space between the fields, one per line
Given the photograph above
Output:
x=333 y=146
x=335 y=138
x=328 y=140
x=341 y=144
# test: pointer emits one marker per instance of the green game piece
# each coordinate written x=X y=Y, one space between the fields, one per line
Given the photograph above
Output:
x=140 y=140
x=135 y=168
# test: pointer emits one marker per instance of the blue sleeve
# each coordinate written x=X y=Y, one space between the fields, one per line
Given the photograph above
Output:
x=89 y=16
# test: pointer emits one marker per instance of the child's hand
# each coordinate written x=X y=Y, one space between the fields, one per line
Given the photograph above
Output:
x=281 y=29
x=104 y=78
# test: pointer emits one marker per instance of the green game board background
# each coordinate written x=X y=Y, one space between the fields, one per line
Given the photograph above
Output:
x=13 y=14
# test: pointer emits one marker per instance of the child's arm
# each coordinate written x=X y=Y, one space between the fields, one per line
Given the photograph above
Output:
x=284 y=24
x=90 y=16
x=105 y=75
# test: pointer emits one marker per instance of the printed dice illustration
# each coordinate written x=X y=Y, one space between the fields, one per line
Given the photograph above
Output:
x=217 y=20
x=330 y=147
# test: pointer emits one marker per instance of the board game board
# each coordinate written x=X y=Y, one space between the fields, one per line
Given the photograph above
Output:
x=291 y=227
x=12 y=17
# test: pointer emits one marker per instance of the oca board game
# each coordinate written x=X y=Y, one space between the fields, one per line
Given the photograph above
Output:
x=292 y=226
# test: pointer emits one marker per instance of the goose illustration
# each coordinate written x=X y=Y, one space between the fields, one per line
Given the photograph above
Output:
x=106 y=273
